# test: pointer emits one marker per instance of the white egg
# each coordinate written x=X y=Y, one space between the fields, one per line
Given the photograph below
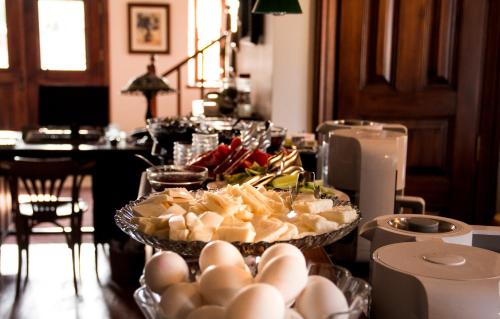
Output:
x=219 y=252
x=321 y=298
x=219 y=284
x=286 y=274
x=256 y=301
x=292 y=314
x=180 y=299
x=279 y=249
x=207 y=312
x=163 y=269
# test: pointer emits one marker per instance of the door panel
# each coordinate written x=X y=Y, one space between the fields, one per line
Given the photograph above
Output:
x=12 y=80
x=418 y=63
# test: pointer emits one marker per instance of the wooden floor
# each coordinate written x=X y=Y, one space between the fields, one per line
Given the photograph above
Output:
x=49 y=291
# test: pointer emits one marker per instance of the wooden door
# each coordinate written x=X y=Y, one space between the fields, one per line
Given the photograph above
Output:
x=20 y=82
x=419 y=63
x=13 y=108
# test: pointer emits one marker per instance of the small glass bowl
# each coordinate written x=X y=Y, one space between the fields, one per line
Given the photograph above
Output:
x=168 y=176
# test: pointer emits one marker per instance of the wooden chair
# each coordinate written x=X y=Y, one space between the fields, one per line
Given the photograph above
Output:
x=41 y=182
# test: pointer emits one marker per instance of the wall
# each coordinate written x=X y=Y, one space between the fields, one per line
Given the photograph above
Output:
x=282 y=68
x=293 y=46
x=126 y=110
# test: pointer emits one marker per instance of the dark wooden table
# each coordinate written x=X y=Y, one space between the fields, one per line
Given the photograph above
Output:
x=114 y=180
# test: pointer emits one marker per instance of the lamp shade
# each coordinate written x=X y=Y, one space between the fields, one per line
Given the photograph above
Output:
x=277 y=7
x=148 y=82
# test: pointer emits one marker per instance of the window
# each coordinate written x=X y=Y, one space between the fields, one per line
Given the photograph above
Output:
x=4 y=52
x=206 y=24
x=62 y=35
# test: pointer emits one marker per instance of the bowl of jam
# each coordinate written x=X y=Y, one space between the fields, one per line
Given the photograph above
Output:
x=169 y=176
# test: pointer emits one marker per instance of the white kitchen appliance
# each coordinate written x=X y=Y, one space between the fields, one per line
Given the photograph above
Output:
x=433 y=267
x=432 y=279
x=391 y=229
x=368 y=162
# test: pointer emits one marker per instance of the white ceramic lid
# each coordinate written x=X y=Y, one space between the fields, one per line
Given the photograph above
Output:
x=435 y=259
x=448 y=227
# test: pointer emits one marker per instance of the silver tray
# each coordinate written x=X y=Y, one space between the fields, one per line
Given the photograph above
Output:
x=356 y=291
x=123 y=219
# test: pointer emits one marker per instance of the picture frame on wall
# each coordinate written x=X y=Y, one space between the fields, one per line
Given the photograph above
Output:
x=148 y=28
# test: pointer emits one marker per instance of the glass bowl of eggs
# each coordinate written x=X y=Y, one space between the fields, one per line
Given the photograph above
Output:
x=222 y=284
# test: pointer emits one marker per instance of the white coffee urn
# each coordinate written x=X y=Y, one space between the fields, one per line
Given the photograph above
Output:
x=368 y=162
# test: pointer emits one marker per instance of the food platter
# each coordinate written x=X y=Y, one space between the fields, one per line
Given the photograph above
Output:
x=124 y=220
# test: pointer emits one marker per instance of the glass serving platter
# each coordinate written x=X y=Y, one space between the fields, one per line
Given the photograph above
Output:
x=356 y=291
x=123 y=219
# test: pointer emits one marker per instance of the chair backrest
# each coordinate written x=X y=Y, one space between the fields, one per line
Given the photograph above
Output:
x=43 y=181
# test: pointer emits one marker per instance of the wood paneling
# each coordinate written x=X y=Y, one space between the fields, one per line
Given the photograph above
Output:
x=427 y=145
x=420 y=63
x=443 y=42
x=380 y=28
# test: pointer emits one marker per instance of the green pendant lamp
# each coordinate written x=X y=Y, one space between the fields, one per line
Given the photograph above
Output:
x=277 y=7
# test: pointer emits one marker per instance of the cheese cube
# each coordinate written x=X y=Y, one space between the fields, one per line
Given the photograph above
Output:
x=201 y=234
x=340 y=214
x=178 y=234
x=244 y=232
x=144 y=225
x=211 y=219
x=177 y=222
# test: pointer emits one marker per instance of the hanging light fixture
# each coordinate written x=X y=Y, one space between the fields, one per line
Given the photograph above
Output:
x=277 y=7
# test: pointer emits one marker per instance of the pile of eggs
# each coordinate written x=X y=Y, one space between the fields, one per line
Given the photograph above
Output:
x=226 y=289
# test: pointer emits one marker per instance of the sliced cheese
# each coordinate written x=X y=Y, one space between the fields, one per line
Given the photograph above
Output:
x=312 y=207
x=179 y=192
x=317 y=223
x=220 y=204
x=340 y=214
x=176 y=210
x=291 y=232
x=150 y=209
x=270 y=230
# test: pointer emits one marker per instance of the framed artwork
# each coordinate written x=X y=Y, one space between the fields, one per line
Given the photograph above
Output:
x=148 y=28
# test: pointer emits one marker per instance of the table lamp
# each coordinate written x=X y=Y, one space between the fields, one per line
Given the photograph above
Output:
x=149 y=84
